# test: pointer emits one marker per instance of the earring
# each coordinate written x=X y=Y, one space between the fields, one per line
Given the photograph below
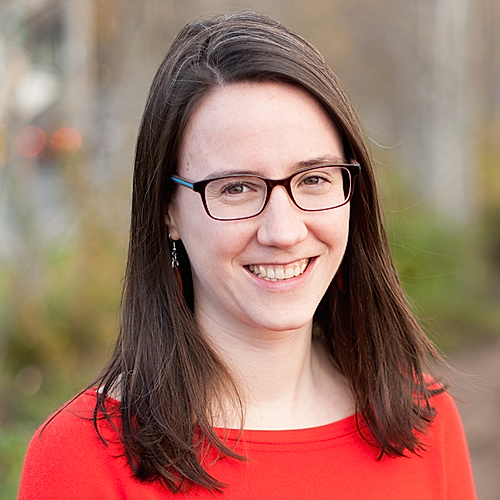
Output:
x=176 y=268
x=175 y=262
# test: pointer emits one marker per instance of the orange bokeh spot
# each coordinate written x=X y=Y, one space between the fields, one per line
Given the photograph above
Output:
x=30 y=141
x=66 y=140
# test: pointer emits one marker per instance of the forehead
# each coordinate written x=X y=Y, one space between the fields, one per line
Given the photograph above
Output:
x=267 y=128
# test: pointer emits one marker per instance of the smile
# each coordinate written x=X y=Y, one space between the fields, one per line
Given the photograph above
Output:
x=279 y=272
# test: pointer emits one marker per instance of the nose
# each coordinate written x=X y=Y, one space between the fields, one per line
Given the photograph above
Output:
x=281 y=223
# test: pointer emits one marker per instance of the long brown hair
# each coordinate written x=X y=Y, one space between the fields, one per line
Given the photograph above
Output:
x=168 y=376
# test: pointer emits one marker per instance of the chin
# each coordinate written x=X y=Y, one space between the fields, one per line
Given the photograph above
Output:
x=284 y=325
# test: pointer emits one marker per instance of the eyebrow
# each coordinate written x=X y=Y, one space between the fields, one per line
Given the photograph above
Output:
x=322 y=160
x=319 y=161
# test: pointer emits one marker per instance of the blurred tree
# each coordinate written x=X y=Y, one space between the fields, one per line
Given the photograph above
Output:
x=443 y=140
x=418 y=66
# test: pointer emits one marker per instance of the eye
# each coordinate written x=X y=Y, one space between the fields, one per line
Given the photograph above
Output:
x=318 y=182
x=234 y=188
x=314 y=179
x=237 y=188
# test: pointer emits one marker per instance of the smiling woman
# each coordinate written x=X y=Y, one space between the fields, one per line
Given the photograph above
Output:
x=266 y=350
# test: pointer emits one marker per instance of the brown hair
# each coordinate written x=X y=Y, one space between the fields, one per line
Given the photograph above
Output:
x=167 y=374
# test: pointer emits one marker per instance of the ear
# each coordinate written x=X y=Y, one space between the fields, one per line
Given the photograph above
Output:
x=170 y=221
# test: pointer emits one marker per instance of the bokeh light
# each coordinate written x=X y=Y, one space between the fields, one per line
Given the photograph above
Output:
x=66 y=140
x=30 y=141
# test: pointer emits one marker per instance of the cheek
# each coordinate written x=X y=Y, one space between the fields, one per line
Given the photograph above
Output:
x=208 y=242
x=334 y=230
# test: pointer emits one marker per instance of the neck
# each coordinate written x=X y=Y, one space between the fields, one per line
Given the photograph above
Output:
x=285 y=379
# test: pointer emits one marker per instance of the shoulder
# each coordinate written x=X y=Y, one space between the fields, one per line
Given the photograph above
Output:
x=67 y=457
x=72 y=429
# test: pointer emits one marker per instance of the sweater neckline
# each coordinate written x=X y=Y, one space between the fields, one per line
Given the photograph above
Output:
x=337 y=429
x=334 y=430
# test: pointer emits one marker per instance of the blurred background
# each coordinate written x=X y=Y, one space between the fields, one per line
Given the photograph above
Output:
x=74 y=75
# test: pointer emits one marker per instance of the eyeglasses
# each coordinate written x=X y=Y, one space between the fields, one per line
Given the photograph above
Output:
x=312 y=189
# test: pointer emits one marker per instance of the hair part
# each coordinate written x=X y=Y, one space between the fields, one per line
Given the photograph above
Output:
x=169 y=377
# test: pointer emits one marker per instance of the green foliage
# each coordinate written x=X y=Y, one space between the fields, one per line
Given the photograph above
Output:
x=64 y=324
x=58 y=322
x=13 y=444
x=444 y=269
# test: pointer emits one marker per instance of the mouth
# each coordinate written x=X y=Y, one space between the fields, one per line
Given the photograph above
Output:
x=279 y=272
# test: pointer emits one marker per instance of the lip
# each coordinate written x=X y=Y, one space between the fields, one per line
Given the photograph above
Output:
x=281 y=285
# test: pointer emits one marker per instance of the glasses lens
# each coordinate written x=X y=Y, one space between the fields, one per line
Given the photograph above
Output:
x=321 y=188
x=235 y=197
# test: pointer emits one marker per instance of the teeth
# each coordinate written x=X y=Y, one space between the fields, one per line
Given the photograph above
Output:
x=279 y=272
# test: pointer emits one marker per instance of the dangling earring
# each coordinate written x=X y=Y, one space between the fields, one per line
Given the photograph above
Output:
x=175 y=262
x=175 y=267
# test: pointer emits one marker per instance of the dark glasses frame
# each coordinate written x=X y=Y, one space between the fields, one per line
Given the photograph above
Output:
x=199 y=187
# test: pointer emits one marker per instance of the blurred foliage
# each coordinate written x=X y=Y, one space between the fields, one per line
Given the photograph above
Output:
x=13 y=443
x=445 y=276
x=450 y=272
x=58 y=316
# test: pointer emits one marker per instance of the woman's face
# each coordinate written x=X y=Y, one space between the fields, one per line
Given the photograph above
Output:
x=269 y=129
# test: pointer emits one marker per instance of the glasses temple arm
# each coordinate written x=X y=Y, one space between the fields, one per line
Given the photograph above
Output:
x=182 y=182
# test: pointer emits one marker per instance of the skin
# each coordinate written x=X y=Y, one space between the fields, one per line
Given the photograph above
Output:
x=262 y=329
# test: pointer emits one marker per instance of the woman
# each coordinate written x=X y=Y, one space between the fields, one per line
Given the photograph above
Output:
x=267 y=350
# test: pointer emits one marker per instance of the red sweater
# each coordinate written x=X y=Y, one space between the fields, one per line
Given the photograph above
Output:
x=69 y=461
